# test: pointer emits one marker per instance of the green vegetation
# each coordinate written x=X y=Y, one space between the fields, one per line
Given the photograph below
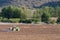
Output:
x=14 y=20
x=37 y=16
x=24 y=15
x=45 y=14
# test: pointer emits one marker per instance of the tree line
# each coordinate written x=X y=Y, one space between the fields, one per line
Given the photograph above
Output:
x=31 y=16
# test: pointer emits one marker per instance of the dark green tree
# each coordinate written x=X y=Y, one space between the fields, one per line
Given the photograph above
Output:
x=46 y=15
x=7 y=12
x=13 y=12
x=16 y=13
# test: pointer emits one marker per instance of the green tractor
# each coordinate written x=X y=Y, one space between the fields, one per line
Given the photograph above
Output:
x=15 y=28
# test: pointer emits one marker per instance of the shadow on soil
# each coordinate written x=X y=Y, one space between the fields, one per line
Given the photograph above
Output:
x=5 y=30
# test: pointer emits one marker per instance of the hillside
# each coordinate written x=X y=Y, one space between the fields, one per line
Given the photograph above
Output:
x=28 y=3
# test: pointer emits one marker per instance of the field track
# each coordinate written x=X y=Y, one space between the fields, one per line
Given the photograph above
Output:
x=31 y=32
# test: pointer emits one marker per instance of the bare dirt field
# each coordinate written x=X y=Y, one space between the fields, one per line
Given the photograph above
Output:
x=31 y=32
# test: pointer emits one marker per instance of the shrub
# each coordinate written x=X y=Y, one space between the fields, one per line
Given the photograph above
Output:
x=35 y=20
x=52 y=21
x=6 y=20
x=45 y=17
x=0 y=19
x=58 y=20
x=26 y=21
x=14 y=20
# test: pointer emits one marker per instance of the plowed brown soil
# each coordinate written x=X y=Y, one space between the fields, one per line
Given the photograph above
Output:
x=31 y=32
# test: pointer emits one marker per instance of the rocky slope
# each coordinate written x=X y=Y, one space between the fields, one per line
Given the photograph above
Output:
x=29 y=3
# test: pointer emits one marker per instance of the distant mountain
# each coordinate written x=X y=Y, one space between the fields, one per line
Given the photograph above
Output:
x=50 y=4
x=30 y=3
